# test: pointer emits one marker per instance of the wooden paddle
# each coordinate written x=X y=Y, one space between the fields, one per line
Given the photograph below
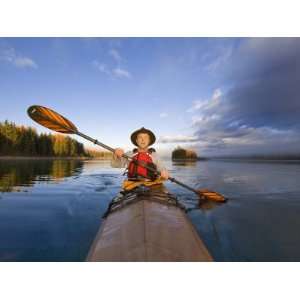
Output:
x=54 y=121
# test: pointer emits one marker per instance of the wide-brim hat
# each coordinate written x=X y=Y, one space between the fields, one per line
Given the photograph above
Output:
x=143 y=130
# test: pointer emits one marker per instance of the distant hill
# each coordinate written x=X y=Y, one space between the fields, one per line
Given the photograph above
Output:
x=184 y=154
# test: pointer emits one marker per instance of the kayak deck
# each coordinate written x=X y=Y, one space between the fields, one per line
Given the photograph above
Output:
x=148 y=227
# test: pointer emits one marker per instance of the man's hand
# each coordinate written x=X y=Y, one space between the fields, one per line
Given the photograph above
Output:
x=164 y=174
x=119 y=152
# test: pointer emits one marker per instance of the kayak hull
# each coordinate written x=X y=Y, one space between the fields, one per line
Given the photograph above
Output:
x=147 y=228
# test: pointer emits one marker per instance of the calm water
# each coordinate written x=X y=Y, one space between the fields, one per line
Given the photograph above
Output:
x=50 y=210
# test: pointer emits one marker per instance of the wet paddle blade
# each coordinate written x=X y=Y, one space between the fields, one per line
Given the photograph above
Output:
x=51 y=119
x=208 y=195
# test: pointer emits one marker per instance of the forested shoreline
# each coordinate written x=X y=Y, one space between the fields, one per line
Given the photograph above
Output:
x=26 y=142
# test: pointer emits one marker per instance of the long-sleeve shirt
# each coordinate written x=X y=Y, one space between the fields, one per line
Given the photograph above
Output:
x=122 y=162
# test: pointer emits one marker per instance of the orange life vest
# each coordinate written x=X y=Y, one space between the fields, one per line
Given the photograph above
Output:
x=136 y=171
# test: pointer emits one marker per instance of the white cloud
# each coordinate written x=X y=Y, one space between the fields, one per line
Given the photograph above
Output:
x=9 y=55
x=197 y=104
x=204 y=119
x=206 y=104
x=163 y=115
x=177 y=139
x=217 y=94
x=115 y=72
x=101 y=67
x=224 y=55
x=115 y=55
x=113 y=69
x=24 y=62
x=121 y=73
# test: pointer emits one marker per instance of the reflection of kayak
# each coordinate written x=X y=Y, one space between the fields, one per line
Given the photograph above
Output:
x=147 y=224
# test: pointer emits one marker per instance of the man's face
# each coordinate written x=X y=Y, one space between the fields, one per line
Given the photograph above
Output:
x=143 y=140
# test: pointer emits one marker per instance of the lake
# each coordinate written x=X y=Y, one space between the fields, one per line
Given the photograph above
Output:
x=50 y=210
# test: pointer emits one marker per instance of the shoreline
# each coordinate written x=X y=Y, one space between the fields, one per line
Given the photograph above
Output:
x=187 y=160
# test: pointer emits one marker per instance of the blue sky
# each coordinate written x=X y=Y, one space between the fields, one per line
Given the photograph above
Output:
x=215 y=95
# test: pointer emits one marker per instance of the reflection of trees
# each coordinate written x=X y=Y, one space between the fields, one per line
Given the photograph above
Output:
x=64 y=168
x=7 y=181
x=24 y=172
x=186 y=163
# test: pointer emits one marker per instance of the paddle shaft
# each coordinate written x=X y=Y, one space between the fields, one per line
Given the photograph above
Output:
x=172 y=179
x=96 y=142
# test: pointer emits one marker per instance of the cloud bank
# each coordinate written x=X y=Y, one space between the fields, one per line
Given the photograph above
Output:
x=260 y=111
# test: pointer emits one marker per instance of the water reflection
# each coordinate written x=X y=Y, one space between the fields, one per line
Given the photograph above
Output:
x=185 y=163
x=23 y=173
x=208 y=205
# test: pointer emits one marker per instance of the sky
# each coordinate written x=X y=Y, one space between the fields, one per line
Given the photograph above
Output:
x=218 y=96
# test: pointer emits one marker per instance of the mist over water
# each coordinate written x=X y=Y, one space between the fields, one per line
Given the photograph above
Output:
x=50 y=210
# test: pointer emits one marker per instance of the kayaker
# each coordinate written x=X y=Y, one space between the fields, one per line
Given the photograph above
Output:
x=142 y=138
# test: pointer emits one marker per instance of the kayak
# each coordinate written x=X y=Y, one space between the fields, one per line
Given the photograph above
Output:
x=147 y=224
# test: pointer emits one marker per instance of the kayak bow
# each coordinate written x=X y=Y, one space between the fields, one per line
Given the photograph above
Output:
x=147 y=224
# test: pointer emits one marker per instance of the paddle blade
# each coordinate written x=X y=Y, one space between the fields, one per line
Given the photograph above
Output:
x=51 y=119
x=208 y=195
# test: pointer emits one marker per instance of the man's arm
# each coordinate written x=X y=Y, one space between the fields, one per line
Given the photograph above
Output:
x=160 y=166
x=120 y=162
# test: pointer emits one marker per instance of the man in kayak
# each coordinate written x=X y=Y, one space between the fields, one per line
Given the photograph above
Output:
x=142 y=138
